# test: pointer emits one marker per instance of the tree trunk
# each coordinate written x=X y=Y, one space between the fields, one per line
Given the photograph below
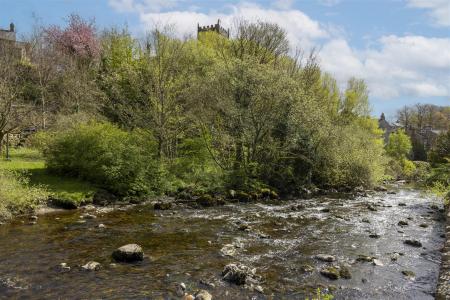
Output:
x=2 y=135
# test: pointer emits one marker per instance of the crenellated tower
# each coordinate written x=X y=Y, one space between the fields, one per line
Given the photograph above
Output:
x=214 y=28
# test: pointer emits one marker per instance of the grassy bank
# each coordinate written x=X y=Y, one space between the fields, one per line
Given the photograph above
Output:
x=25 y=184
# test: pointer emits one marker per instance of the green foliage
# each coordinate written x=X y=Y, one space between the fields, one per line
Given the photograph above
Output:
x=321 y=296
x=101 y=153
x=399 y=145
x=210 y=114
x=441 y=151
x=30 y=163
x=193 y=167
x=408 y=168
x=17 y=196
x=356 y=160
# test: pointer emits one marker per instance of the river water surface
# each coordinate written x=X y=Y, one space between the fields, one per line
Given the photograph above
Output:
x=184 y=245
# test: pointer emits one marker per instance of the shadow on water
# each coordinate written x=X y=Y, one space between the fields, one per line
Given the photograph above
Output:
x=183 y=245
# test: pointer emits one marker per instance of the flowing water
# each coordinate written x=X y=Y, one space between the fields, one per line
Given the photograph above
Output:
x=183 y=245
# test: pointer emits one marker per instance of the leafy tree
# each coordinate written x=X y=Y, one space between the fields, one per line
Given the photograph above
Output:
x=441 y=151
x=399 y=145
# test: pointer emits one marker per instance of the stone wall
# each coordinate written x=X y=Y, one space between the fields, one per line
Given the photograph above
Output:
x=443 y=288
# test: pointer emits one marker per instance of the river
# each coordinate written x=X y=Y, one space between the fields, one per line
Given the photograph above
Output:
x=280 y=239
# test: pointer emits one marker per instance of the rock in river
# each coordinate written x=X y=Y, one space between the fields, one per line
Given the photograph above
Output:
x=228 y=250
x=331 y=273
x=91 y=266
x=402 y=223
x=239 y=274
x=365 y=258
x=409 y=274
x=129 y=253
x=377 y=262
x=63 y=267
x=325 y=257
x=203 y=295
x=414 y=243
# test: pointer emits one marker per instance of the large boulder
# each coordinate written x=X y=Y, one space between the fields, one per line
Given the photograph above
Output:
x=129 y=253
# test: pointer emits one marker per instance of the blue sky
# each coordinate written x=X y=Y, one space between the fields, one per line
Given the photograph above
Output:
x=400 y=47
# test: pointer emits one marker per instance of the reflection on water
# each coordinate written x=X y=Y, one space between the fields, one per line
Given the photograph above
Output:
x=183 y=245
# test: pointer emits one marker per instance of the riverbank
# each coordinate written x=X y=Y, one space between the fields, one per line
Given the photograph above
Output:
x=443 y=288
x=26 y=175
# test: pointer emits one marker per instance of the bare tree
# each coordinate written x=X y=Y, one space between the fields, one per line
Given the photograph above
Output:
x=14 y=111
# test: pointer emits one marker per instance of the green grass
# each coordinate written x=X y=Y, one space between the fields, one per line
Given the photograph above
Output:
x=64 y=190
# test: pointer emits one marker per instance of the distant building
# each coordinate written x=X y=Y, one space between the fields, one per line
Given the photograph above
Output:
x=421 y=137
x=9 y=46
x=214 y=28
x=386 y=126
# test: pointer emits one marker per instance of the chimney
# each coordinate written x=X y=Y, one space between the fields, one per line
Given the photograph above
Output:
x=11 y=27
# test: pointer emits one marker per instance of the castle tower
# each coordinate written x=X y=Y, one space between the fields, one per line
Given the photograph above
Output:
x=214 y=28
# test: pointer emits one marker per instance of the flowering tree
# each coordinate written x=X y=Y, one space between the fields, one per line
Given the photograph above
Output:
x=78 y=39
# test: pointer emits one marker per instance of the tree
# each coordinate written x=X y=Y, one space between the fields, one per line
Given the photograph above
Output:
x=441 y=150
x=356 y=100
x=164 y=76
x=15 y=112
x=399 y=145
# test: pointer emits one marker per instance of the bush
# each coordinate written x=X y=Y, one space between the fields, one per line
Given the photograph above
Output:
x=119 y=161
x=16 y=196
x=408 y=168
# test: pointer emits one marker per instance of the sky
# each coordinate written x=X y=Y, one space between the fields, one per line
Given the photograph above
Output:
x=401 y=48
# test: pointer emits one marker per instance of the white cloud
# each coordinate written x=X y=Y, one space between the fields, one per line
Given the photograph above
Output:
x=398 y=66
x=439 y=10
x=302 y=31
x=142 y=5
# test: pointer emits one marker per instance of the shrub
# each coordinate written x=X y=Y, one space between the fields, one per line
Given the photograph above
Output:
x=119 y=161
x=408 y=168
x=16 y=196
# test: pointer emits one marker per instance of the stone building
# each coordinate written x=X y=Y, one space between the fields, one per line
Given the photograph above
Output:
x=9 y=46
x=386 y=126
x=214 y=28
x=423 y=139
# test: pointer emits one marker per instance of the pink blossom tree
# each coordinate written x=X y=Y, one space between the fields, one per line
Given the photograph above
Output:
x=78 y=39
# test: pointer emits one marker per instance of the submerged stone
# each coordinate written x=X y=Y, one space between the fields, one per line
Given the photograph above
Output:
x=414 y=243
x=365 y=258
x=371 y=207
x=331 y=273
x=409 y=274
x=325 y=257
x=306 y=268
x=228 y=250
x=344 y=272
x=402 y=223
